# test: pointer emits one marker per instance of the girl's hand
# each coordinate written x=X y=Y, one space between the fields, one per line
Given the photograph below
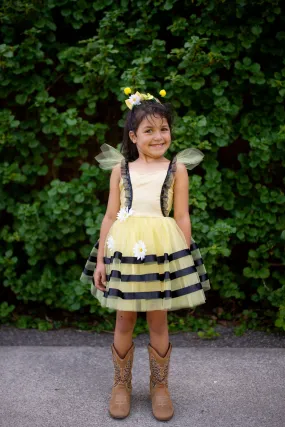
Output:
x=100 y=277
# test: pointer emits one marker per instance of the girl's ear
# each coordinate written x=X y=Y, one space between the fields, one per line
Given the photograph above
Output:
x=132 y=136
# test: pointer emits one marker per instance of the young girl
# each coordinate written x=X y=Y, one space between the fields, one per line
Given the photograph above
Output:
x=146 y=260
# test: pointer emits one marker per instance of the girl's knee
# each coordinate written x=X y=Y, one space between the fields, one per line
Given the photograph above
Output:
x=126 y=320
x=157 y=320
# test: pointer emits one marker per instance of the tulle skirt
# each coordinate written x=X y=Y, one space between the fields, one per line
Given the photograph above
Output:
x=148 y=267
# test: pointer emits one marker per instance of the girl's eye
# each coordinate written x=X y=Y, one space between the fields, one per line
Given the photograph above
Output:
x=163 y=129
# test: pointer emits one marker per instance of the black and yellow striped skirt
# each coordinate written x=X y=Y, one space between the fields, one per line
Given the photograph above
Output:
x=148 y=267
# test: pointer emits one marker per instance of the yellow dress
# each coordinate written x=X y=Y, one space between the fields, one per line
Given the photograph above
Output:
x=149 y=265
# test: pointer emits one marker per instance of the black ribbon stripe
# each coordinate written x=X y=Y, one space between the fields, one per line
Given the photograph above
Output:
x=150 y=277
x=148 y=258
x=152 y=295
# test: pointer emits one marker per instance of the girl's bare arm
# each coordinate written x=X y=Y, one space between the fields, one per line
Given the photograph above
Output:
x=111 y=212
x=181 y=201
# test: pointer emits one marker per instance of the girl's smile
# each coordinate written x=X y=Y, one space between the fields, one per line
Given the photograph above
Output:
x=157 y=145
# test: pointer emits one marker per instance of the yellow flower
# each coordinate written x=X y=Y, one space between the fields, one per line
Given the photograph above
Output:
x=127 y=90
x=162 y=92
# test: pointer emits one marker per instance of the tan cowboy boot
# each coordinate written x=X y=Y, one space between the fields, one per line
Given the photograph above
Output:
x=162 y=407
x=120 y=403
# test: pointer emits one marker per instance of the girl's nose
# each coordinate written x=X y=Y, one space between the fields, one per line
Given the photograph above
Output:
x=157 y=136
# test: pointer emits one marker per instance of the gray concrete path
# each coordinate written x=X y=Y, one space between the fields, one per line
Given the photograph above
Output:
x=55 y=386
x=10 y=335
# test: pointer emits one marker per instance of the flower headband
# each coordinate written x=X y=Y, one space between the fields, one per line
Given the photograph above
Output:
x=137 y=97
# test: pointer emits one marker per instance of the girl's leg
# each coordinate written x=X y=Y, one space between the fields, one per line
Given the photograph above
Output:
x=158 y=330
x=125 y=323
x=123 y=354
x=159 y=351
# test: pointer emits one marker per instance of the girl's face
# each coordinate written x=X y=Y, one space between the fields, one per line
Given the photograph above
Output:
x=153 y=137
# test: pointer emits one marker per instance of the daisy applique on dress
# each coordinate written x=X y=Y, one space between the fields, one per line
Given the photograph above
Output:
x=140 y=250
x=124 y=213
x=111 y=243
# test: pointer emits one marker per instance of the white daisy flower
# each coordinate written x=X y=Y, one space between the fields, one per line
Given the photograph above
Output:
x=111 y=243
x=140 y=249
x=124 y=213
x=130 y=211
x=135 y=99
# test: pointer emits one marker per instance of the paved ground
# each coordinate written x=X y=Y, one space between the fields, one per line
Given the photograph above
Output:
x=72 y=337
x=63 y=379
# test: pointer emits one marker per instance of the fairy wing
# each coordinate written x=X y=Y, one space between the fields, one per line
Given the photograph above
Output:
x=191 y=157
x=109 y=157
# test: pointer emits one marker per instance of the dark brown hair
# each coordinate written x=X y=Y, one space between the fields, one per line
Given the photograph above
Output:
x=135 y=116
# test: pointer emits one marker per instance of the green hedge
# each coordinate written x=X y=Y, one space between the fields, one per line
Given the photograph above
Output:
x=63 y=67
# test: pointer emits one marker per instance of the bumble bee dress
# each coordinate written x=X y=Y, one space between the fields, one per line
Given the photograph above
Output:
x=149 y=265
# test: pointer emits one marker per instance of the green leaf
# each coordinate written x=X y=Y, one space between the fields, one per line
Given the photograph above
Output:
x=21 y=99
x=43 y=170
x=247 y=61
x=168 y=5
x=256 y=30
x=71 y=122
x=264 y=273
x=79 y=198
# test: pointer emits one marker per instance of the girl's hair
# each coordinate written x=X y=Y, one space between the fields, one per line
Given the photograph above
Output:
x=135 y=116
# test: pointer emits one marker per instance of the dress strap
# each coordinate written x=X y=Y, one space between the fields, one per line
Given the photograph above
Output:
x=166 y=186
x=125 y=174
